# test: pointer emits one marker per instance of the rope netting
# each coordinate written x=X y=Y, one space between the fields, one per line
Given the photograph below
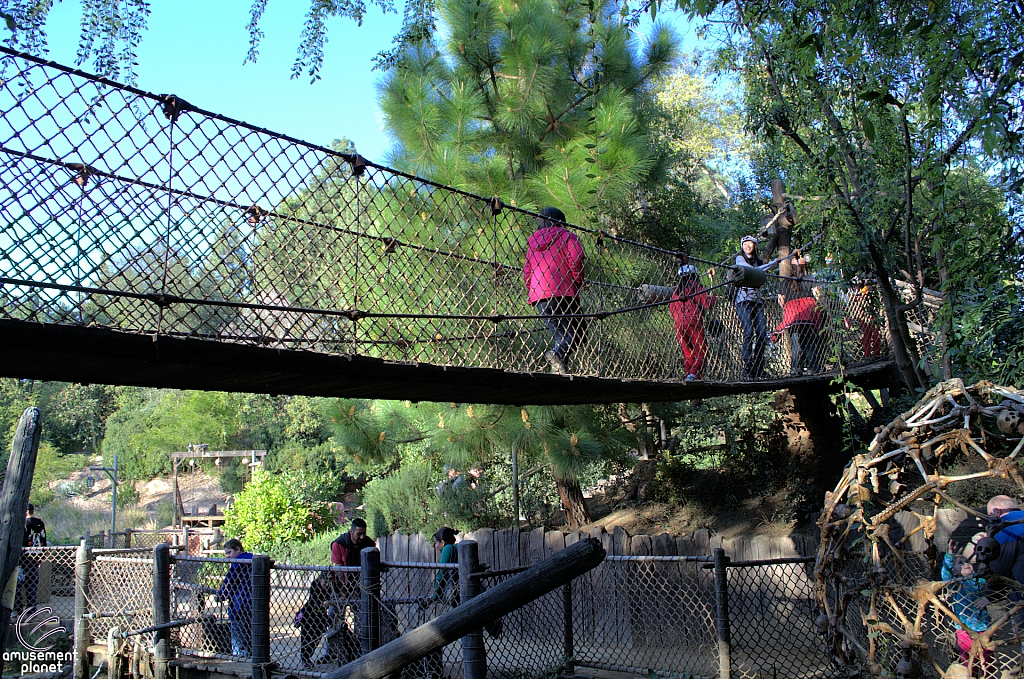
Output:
x=120 y=594
x=140 y=213
x=919 y=570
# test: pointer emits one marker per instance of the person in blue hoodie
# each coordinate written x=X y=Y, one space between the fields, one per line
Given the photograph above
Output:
x=966 y=595
x=237 y=591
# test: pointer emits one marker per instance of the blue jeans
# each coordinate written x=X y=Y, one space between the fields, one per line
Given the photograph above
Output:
x=568 y=332
x=751 y=315
x=241 y=636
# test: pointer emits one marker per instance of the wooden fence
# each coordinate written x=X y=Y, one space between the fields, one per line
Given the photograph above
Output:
x=502 y=549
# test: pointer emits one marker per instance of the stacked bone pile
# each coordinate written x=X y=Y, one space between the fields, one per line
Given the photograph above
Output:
x=894 y=605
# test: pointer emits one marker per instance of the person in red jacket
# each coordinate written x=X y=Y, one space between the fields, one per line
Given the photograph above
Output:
x=689 y=301
x=802 y=318
x=553 y=274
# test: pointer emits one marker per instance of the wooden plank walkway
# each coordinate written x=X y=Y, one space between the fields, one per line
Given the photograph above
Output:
x=45 y=351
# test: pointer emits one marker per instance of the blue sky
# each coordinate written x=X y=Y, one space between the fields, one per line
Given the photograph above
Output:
x=195 y=49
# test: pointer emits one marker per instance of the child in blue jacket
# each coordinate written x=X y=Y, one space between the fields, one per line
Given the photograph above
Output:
x=237 y=591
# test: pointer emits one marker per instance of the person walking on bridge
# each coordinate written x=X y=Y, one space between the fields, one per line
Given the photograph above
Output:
x=750 y=310
x=801 y=318
x=689 y=300
x=553 y=274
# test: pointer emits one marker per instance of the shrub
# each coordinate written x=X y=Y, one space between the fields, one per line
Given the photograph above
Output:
x=313 y=552
x=52 y=466
x=127 y=494
x=233 y=476
x=273 y=509
x=405 y=499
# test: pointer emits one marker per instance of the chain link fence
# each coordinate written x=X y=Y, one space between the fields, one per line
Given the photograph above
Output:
x=46 y=577
x=141 y=213
x=659 y=616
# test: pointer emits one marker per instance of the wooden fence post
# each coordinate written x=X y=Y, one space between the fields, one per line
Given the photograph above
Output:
x=83 y=565
x=260 y=616
x=460 y=621
x=474 y=655
x=161 y=609
x=127 y=538
x=369 y=605
x=722 y=614
x=21 y=466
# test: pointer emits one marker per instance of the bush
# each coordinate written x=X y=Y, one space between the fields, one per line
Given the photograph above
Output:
x=313 y=552
x=52 y=466
x=405 y=499
x=274 y=509
x=233 y=476
x=127 y=494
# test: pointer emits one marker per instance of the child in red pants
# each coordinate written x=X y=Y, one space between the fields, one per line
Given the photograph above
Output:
x=689 y=301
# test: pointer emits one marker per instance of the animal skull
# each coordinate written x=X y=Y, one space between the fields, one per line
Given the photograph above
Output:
x=1010 y=419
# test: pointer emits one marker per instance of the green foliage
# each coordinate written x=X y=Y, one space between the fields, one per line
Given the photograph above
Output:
x=149 y=424
x=52 y=466
x=410 y=447
x=280 y=508
x=127 y=494
x=536 y=102
x=728 y=456
x=233 y=475
x=405 y=499
x=313 y=552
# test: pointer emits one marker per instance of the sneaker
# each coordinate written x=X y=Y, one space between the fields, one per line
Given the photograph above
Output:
x=693 y=378
x=557 y=364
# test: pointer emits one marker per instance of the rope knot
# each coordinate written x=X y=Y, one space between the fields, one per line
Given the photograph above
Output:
x=173 y=106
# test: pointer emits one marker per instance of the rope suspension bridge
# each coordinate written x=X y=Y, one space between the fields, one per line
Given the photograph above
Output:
x=148 y=242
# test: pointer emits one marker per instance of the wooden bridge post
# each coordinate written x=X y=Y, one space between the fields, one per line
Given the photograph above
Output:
x=369 y=584
x=474 y=655
x=161 y=608
x=83 y=565
x=21 y=466
x=722 y=614
x=260 y=616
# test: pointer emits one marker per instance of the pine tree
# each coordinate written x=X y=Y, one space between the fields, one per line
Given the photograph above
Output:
x=537 y=101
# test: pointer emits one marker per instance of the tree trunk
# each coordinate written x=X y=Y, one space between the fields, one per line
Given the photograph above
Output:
x=812 y=426
x=577 y=514
x=899 y=333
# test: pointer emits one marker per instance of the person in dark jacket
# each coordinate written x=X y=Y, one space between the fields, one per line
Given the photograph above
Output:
x=312 y=619
x=446 y=581
x=750 y=310
x=237 y=591
x=346 y=548
x=28 y=572
x=553 y=274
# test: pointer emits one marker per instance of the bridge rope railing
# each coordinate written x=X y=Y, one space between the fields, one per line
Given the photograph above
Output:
x=141 y=213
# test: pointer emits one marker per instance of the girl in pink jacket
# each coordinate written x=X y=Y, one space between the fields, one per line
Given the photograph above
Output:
x=553 y=274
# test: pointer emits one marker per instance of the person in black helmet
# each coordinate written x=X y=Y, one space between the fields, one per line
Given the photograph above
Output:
x=553 y=274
